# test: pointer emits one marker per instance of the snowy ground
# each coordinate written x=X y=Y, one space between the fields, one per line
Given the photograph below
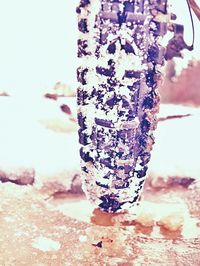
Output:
x=38 y=135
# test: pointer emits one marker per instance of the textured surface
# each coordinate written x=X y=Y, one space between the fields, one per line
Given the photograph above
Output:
x=119 y=51
x=33 y=233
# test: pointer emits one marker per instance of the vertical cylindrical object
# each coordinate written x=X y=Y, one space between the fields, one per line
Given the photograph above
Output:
x=119 y=50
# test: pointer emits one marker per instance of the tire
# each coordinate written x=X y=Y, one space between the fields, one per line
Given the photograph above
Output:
x=118 y=73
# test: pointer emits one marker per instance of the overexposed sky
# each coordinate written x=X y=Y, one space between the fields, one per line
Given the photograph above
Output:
x=38 y=43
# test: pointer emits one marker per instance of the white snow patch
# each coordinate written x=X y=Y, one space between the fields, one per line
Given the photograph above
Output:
x=46 y=244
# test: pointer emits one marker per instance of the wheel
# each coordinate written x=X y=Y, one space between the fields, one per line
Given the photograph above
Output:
x=120 y=54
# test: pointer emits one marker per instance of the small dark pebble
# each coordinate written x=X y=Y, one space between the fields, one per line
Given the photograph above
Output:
x=99 y=244
x=66 y=109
